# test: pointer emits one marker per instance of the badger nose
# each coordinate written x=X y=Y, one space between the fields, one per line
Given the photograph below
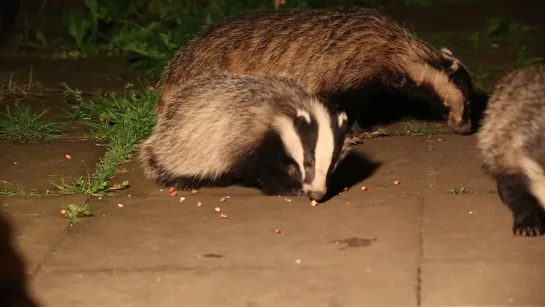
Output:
x=314 y=195
x=462 y=129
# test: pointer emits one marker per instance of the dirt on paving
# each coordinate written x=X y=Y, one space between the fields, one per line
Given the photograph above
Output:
x=414 y=244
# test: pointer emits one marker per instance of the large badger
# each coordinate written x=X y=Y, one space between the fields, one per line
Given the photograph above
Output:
x=333 y=55
x=512 y=143
x=220 y=129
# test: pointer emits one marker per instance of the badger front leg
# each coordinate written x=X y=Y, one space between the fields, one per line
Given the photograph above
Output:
x=528 y=215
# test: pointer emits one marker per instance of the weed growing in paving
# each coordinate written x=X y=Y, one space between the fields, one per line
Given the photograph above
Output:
x=75 y=212
x=422 y=131
x=460 y=191
x=23 y=125
x=18 y=191
x=124 y=121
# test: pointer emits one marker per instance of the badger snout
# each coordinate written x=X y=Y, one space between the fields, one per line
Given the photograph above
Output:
x=316 y=195
x=461 y=128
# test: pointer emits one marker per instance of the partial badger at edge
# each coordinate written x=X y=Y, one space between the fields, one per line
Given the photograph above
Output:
x=512 y=144
x=223 y=129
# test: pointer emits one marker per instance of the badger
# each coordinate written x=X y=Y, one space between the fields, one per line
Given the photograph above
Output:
x=220 y=129
x=511 y=141
x=333 y=55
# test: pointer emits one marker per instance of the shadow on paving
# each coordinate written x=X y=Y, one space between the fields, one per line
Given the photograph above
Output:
x=13 y=278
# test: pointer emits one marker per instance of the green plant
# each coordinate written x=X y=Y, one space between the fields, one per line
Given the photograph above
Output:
x=23 y=125
x=75 y=212
x=124 y=120
x=499 y=31
x=460 y=191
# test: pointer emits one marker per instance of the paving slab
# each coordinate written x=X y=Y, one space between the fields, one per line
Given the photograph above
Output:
x=37 y=225
x=242 y=254
x=38 y=166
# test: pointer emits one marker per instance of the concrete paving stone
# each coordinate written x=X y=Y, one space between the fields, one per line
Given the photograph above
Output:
x=456 y=163
x=37 y=224
x=471 y=258
x=21 y=164
x=297 y=286
x=483 y=283
x=378 y=242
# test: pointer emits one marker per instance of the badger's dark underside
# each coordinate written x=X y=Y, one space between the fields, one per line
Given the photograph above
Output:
x=528 y=214
x=265 y=168
x=387 y=100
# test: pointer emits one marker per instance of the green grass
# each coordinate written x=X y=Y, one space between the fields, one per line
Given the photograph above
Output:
x=154 y=30
x=23 y=125
x=421 y=131
x=123 y=121
x=501 y=31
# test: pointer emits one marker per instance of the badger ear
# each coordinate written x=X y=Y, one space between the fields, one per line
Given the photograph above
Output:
x=450 y=62
x=445 y=52
x=302 y=115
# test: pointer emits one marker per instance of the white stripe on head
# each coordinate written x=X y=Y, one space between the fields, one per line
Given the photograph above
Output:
x=342 y=118
x=325 y=145
x=291 y=140
x=304 y=114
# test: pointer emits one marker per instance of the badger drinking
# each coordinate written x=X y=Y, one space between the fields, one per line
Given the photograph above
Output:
x=512 y=143
x=330 y=54
x=219 y=129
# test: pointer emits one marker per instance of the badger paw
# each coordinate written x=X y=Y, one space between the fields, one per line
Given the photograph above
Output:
x=358 y=138
x=529 y=225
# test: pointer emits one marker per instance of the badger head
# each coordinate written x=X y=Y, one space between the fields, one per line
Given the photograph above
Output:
x=323 y=133
x=459 y=119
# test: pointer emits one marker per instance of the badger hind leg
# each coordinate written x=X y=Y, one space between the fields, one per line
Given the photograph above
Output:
x=528 y=215
x=360 y=134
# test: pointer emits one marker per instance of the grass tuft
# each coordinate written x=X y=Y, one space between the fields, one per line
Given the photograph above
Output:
x=24 y=125
x=123 y=121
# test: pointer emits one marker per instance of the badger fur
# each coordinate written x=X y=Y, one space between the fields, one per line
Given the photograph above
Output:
x=330 y=54
x=512 y=144
x=220 y=129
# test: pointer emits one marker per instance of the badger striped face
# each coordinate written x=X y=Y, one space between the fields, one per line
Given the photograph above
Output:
x=315 y=141
x=322 y=134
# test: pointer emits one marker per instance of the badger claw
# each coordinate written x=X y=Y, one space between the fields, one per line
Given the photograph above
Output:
x=529 y=225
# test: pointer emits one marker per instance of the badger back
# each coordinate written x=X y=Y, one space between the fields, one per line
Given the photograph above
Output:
x=514 y=122
x=327 y=52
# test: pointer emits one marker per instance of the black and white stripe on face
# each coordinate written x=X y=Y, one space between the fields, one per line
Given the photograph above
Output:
x=320 y=131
